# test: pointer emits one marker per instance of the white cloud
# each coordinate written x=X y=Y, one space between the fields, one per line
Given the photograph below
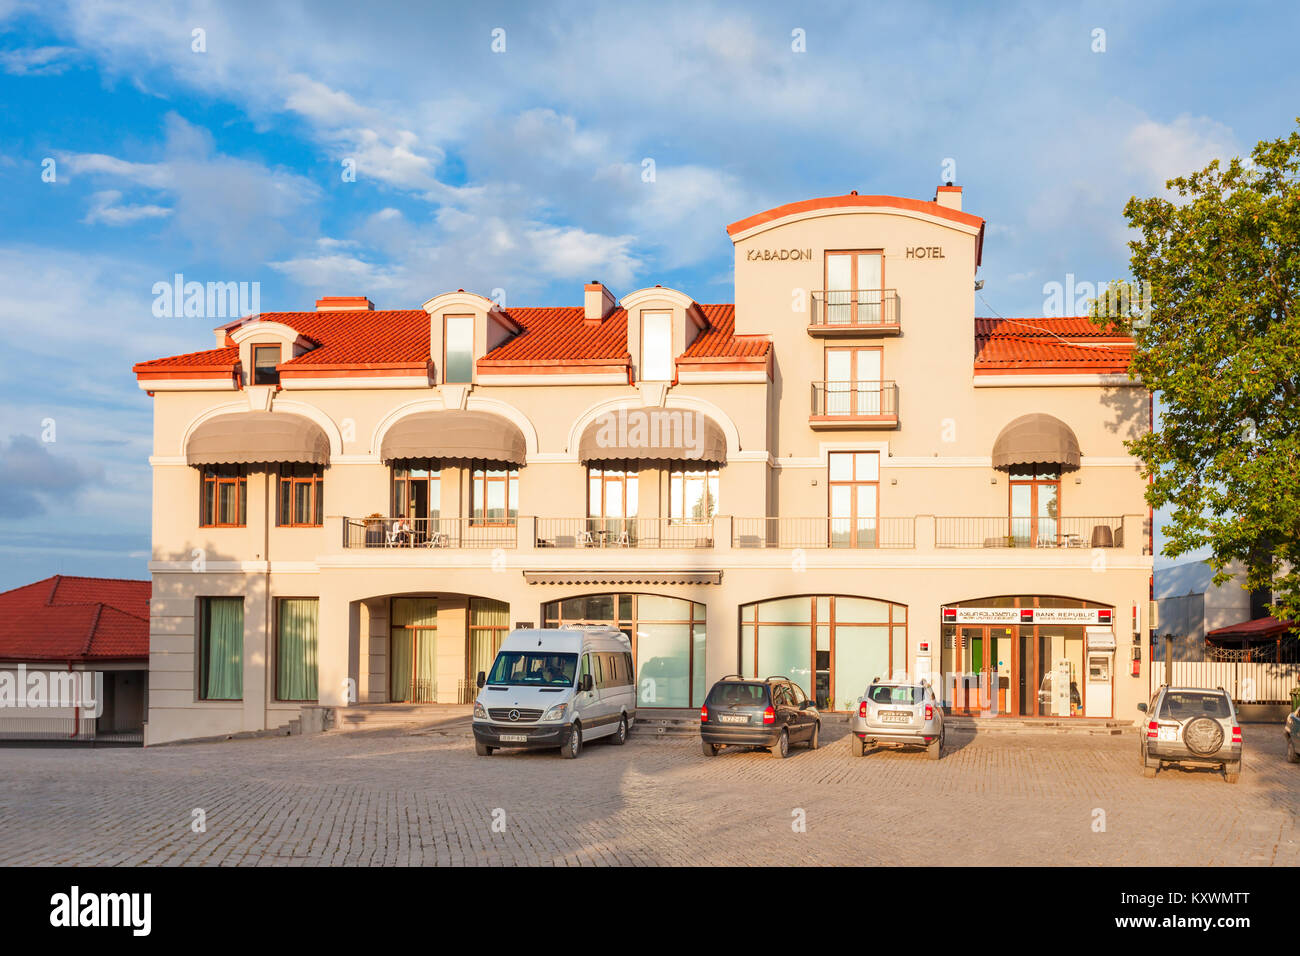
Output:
x=106 y=207
x=37 y=61
x=1160 y=151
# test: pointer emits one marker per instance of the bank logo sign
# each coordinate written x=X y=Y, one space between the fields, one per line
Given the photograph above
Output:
x=1027 y=615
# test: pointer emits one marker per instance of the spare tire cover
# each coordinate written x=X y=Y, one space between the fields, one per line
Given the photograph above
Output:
x=1203 y=736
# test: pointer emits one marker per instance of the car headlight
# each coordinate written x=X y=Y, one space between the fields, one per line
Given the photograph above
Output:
x=555 y=713
x=479 y=711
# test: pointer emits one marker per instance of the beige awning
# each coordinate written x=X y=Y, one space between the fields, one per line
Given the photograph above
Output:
x=454 y=433
x=657 y=434
x=246 y=438
x=1036 y=439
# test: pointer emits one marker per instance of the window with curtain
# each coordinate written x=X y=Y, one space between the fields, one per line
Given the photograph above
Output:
x=301 y=496
x=265 y=360
x=221 y=648
x=224 y=498
x=489 y=623
x=656 y=346
x=413 y=651
x=693 y=494
x=295 y=649
x=458 y=349
x=494 y=494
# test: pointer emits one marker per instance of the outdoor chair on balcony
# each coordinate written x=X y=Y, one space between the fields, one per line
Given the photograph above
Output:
x=623 y=541
x=586 y=539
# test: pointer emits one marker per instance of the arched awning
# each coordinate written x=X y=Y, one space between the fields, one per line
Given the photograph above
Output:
x=1036 y=439
x=454 y=433
x=662 y=434
x=246 y=438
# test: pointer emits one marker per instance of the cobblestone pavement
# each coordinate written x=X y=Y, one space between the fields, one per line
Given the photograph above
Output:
x=385 y=798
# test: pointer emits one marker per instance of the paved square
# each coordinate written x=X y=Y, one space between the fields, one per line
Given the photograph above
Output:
x=385 y=798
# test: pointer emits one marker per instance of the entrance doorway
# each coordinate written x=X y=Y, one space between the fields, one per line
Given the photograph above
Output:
x=981 y=658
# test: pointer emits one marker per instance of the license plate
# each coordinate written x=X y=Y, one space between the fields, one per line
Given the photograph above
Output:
x=895 y=717
x=1169 y=733
x=514 y=738
x=734 y=718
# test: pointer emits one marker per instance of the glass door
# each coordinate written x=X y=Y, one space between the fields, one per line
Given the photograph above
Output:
x=1035 y=491
x=853 y=287
x=853 y=381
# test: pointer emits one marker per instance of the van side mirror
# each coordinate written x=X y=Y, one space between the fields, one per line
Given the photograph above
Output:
x=1142 y=707
x=481 y=680
x=585 y=683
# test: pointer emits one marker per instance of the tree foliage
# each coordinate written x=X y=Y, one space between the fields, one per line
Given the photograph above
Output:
x=1219 y=341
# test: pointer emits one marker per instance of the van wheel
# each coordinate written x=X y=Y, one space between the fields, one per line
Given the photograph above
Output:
x=620 y=735
x=815 y=740
x=482 y=749
x=574 y=746
x=782 y=748
x=1232 y=772
x=1291 y=755
x=710 y=750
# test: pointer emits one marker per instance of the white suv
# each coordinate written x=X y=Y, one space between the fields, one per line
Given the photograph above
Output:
x=1192 y=725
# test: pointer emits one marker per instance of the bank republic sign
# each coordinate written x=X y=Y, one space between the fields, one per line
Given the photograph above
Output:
x=1027 y=615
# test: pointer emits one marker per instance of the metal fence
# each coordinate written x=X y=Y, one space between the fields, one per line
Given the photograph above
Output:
x=1265 y=672
x=854 y=308
x=824 y=533
x=850 y=400
x=17 y=726
x=624 y=533
x=1011 y=532
x=429 y=533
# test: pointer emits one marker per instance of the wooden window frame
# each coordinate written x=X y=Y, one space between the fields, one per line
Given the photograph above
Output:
x=608 y=477
x=201 y=668
x=275 y=665
x=832 y=483
x=854 y=286
x=479 y=473
x=214 y=481
x=316 y=494
x=1033 y=484
x=274 y=371
x=676 y=472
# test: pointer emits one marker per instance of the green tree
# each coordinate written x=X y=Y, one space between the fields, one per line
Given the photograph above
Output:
x=1218 y=339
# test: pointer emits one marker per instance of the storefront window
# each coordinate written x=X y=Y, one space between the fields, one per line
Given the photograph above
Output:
x=831 y=646
x=667 y=635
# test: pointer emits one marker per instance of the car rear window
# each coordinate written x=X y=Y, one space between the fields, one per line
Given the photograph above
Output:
x=738 y=695
x=1180 y=705
x=883 y=694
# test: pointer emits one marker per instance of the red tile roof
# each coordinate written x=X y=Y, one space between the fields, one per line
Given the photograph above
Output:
x=75 y=619
x=1261 y=627
x=400 y=339
x=1069 y=345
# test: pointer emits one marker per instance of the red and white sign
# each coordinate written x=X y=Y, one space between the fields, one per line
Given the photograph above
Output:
x=1027 y=615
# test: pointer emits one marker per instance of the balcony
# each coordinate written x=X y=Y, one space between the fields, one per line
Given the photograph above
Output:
x=434 y=533
x=1006 y=532
x=624 y=533
x=899 y=533
x=854 y=405
x=854 y=313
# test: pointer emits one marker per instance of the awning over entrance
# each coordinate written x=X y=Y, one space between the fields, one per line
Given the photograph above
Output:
x=656 y=434
x=623 y=577
x=1036 y=439
x=246 y=438
x=455 y=433
x=1262 y=628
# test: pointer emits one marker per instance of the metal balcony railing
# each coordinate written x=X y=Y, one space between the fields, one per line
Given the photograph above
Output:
x=1029 y=532
x=824 y=533
x=625 y=532
x=864 y=309
x=487 y=532
x=864 y=401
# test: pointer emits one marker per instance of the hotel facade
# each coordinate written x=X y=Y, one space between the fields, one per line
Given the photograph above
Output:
x=842 y=474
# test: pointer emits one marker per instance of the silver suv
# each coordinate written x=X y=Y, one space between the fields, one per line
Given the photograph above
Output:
x=897 y=712
x=1191 y=725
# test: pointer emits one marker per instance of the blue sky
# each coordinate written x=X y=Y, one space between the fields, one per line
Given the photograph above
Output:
x=520 y=169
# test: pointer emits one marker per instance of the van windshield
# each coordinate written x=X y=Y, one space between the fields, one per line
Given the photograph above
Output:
x=534 y=668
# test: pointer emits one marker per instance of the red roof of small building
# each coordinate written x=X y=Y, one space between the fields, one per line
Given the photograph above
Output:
x=75 y=619
x=1261 y=627
x=1066 y=345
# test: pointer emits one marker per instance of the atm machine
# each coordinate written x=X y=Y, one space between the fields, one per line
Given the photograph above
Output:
x=1099 y=652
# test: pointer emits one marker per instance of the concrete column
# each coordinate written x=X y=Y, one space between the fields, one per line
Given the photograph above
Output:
x=257 y=648
x=453 y=637
x=337 y=627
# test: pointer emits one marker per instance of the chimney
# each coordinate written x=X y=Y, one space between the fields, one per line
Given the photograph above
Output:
x=948 y=195
x=344 y=303
x=597 y=303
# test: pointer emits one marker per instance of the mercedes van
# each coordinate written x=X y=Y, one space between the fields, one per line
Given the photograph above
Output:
x=556 y=687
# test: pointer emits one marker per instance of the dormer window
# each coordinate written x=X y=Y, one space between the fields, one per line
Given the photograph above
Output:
x=458 y=349
x=265 y=360
x=656 y=346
